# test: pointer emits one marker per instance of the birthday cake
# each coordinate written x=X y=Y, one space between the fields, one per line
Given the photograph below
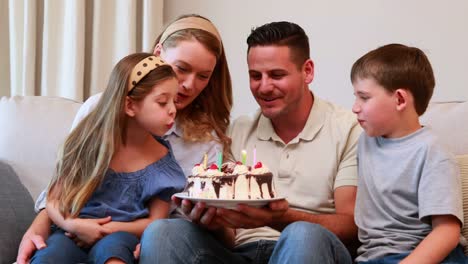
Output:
x=231 y=181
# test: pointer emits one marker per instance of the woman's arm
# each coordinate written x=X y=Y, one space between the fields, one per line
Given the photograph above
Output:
x=443 y=238
x=34 y=238
x=158 y=209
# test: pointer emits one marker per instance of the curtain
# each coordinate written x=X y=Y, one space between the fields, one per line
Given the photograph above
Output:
x=68 y=48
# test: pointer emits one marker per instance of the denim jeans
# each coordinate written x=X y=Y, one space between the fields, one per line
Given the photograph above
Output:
x=61 y=249
x=455 y=257
x=180 y=241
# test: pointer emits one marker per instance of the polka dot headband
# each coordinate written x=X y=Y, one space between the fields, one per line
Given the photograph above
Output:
x=193 y=23
x=143 y=67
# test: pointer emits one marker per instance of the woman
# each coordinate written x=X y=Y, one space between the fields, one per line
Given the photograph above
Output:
x=193 y=47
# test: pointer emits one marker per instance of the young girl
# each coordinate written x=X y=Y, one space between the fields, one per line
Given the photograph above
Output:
x=114 y=164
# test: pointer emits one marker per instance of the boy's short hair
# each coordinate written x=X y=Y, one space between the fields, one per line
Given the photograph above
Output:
x=396 y=66
x=282 y=33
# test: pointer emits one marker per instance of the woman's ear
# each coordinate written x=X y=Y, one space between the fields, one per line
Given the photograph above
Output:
x=157 y=49
x=130 y=107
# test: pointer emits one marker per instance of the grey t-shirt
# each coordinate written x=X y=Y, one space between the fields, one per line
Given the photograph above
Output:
x=402 y=183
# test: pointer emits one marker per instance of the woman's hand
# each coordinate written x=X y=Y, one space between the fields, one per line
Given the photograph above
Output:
x=29 y=244
x=34 y=238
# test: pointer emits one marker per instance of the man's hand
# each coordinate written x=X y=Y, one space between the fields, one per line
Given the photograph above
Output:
x=198 y=213
x=250 y=217
x=29 y=244
x=86 y=232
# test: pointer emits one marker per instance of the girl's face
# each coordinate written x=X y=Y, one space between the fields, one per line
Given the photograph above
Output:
x=193 y=64
x=156 y=112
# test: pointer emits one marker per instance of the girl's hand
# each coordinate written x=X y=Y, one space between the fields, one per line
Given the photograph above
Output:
x=136 y=252
x=86 y=232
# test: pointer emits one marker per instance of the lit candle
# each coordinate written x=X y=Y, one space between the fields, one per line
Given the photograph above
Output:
x=244 y=156
x=254 y=156
x=205 y=161
x=220 y=160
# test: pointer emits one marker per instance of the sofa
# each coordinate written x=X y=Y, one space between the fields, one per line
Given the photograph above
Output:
x=32 y=127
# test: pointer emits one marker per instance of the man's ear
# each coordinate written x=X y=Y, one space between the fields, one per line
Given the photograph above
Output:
x=157 y=49
x=402 y=98
x=308 y=69
x=130 y=107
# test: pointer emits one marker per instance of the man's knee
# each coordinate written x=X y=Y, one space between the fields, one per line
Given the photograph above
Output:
x=302 y=228
x=167 y=229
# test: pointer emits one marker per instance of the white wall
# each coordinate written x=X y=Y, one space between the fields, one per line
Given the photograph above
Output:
x=340 y=32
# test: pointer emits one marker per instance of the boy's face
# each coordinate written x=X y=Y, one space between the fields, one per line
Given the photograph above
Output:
x=376 y=108
x=275 y=80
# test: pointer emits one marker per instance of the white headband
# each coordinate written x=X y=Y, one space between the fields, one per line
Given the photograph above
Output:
x=190 y=22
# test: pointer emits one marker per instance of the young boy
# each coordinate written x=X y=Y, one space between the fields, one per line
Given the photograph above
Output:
x=408 y=205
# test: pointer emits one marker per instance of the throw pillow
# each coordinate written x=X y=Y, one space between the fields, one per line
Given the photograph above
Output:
x=17 y=213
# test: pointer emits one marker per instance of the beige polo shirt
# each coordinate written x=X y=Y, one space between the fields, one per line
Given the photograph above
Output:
x=310 y=167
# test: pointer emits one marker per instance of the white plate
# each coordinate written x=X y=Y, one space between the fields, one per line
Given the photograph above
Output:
x=227 y=203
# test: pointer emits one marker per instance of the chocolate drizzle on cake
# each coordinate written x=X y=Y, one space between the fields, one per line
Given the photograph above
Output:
x=232 y=182
x=267 y=179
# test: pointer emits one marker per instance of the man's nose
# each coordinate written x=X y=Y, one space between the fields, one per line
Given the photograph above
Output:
x=266 y=85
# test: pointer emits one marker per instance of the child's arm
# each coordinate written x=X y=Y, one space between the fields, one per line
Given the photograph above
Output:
x=87 y=230
x=158 y=209
x=443 y=238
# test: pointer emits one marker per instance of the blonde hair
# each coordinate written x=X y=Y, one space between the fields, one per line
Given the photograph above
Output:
x=84 y=158
x=212 y=107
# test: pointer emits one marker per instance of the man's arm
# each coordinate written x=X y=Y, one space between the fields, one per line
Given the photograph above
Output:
x=340 y=223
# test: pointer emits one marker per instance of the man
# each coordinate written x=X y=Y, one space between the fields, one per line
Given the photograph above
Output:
x=310 y=147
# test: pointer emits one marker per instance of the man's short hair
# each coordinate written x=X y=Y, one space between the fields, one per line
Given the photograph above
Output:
x=282 y=33
x=396 y=66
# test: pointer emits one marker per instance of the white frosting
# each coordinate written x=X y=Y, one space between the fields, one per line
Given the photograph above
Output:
x=198 y=170
x=261 y=170
x=211 y=173
x=240 y=169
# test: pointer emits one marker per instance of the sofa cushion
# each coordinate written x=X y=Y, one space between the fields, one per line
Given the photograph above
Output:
x=449 y=121
x=463 y=164
x=32 y=127
x=17 y=213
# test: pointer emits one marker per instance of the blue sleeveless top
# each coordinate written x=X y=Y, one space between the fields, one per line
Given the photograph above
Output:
x=125 y=195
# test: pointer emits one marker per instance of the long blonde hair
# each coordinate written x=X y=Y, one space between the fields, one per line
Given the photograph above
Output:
x=212 y=108
x=85 y=156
